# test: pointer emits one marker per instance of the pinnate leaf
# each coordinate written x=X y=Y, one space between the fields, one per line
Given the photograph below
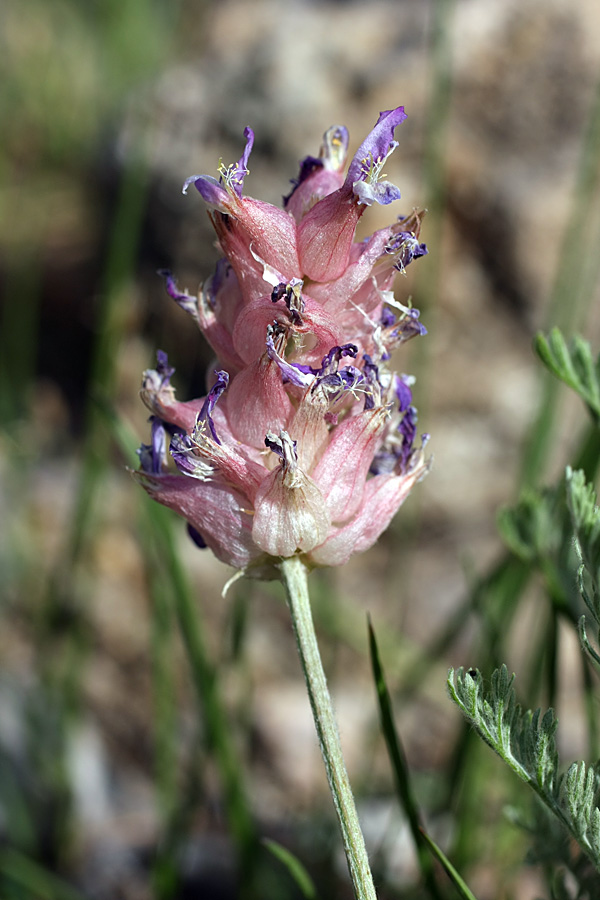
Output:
x=573 y=364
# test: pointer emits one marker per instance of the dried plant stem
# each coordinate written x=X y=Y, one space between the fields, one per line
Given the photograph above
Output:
x=293 y=574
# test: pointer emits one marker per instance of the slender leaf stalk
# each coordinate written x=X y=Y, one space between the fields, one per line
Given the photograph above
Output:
x=457 y=881
x=294 y=867
x=400 y=768
x=294 y=577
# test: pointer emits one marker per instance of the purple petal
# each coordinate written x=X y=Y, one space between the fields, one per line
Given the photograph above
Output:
x=291 y=293
x=279 y=292
x=308 y=165
x=408 y=430
x=406 y=327
x=209 y=404
x=384 y=463
x=366 y=167
x=335 y=383
x=283 y=446
x=383 y=192
x=292 y=373
x=184 y=449
x=330 y=362
x=181 y=450
x=403 y=391
x=159 y=442
x=410 y=327
x=163 y=368
x=377 y=144
x=216 y=281
x=398 y=452
x=212 y=192
x=405 y=245
x=186 y=301
x=147 y=460
x=387 y=317
x=371 y=374
x=196 y=537
x=238 y=172
x=153 y=455
x=332 y=156
x=274 y=444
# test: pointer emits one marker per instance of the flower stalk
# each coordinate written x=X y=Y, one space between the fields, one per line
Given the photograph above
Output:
x=294 y=578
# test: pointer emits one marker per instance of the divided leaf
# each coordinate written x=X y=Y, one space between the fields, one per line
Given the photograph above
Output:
x=572 y=364
x=585 y=515
x=533 y=528
x=526 y=741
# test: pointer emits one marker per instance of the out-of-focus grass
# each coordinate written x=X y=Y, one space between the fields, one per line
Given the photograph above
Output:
x=66 y=70
x=573 y=291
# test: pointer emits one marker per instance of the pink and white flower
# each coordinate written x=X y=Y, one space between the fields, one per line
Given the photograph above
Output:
x=305 y=442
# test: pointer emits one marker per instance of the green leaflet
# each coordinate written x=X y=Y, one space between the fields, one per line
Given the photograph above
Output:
x=525 y=740
x=572 y=364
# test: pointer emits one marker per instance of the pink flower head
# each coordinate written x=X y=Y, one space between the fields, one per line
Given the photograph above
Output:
x=306 y=443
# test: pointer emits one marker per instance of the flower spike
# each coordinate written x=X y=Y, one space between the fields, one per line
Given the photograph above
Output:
x=305 y=442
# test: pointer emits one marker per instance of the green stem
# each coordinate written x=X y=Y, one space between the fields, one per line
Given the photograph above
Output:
x=293 y=575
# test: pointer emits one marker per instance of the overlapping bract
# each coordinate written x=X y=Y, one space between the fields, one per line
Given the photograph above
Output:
x=305 y=442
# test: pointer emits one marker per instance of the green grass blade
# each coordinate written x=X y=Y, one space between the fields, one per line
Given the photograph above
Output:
x=165 y=870
x=164 y=695
x=461 y=887
x=19 y=323
x=587 y=456
x=399 y=766
x=435 y=154
x=159 y=543
x=507 y=578
x=574 y=249
x=294 y=867
x=571 y=281
x=112 y=317
x=538 y=440
x=428 y=277
x=207 y=691
x=35 y=879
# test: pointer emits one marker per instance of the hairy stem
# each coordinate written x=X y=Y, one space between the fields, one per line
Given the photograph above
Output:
x=293 y=574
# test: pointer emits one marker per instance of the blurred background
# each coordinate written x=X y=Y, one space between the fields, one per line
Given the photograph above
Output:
x=111 y=782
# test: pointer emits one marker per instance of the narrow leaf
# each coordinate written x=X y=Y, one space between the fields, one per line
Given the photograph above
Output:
x=461 y=887
x=294 y=867
x=35 y=879
x=399 y=765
